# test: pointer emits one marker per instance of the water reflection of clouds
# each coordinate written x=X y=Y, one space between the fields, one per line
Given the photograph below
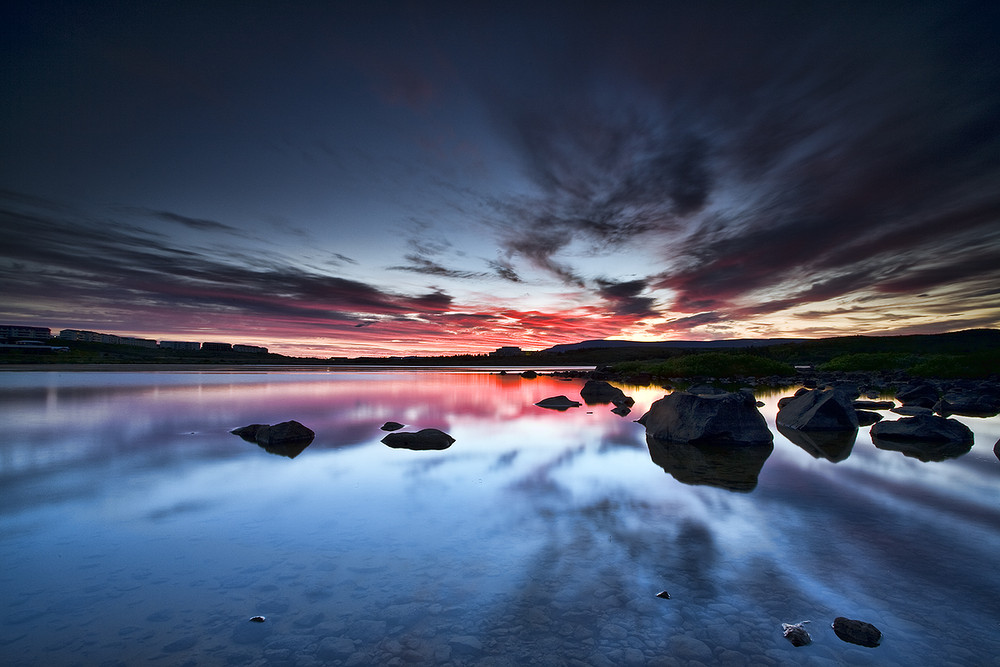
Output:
x=531 y=514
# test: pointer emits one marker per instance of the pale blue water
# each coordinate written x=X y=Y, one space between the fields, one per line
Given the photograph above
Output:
x=134 y=528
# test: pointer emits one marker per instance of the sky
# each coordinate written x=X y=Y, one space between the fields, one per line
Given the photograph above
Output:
x=396 y=178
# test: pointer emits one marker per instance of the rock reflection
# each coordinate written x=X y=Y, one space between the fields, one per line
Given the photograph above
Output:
x=833 y=446
x=924 y=451
x=731 y=467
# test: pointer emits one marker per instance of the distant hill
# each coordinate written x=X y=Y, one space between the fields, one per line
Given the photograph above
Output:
x=673 y=344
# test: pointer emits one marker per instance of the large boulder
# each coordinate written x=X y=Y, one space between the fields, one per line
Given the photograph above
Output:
x=285 y=439
x=925 y=437
x=424 y=439
x=599 y=391
x=731 y=418
x=819 y=410
x=857 y=632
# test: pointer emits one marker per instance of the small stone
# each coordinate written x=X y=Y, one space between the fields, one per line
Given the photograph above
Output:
x=796 y=634
x=257 y=619
x=663 y=594
x=391 y=426
x=558 y=403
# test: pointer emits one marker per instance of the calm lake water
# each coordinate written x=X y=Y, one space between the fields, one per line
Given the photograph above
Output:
x=135 y=528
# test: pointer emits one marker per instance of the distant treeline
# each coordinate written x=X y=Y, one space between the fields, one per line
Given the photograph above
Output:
x=973 y=353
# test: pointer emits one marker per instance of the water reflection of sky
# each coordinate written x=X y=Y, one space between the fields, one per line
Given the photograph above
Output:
x=134 y=527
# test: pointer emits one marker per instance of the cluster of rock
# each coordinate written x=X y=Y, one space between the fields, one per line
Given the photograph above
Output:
x=848 y=629
x=594 y=392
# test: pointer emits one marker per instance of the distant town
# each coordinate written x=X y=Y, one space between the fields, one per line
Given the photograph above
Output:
x=26 y=337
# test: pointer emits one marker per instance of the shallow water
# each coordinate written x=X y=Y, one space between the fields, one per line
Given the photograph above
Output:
x=134 y=527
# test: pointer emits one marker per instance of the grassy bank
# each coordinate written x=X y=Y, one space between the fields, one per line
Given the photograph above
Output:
x=708 y=364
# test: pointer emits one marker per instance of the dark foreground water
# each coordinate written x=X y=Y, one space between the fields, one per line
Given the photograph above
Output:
x=134 y=528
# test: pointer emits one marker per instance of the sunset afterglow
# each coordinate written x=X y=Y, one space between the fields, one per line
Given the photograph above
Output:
x=429 y=178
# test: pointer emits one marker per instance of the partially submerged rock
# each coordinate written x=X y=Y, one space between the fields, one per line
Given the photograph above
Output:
x=391 y=426
x=529 y=375
x=867 y=417
x=424 y=439
x=796 y=634
x=819 y=410
x=912 y=410
x=874 y=405
x=285 y=439
x=925 y=437
x=922 y=394
x=558 y=403
x=599 y=391
x=857 y=632
x=979 y=402
x=729 y=419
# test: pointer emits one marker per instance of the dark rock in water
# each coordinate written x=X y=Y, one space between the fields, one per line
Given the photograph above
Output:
x=848 y=389
x=257 y=619
x=912 y=410
x=663 y=595
x=922 y=394
x=819 y=410
x=796 y=634
x=249 y=433
x=857 y=632
x=968 y=403
x=719 y=419
x=734 y=467
x=284 y=433
x=833 y=446
x=529 y=375
x=285 y=439
x=558 y=403
x=867 y=417
x=621 y=410
x=391 y=426
x=996 y=449
x=705 y=390
x=598 y=391
x=873 y=405
x=422 y=440
x=925 y=437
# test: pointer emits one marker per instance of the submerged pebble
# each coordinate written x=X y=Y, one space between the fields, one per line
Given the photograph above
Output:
x=257 y=619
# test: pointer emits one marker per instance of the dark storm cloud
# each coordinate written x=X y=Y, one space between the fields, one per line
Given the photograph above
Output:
x=625 y=299
x=807 y=151
x=84 y=262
